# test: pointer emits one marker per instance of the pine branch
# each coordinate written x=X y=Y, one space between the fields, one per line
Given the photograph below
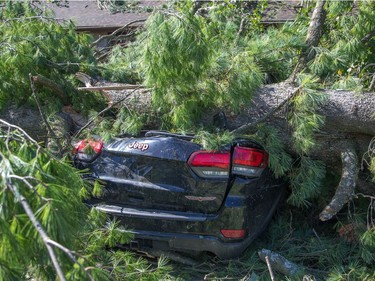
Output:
x=39 y=228
x=29 y=185
x=270 y=268
x=312 y=39
x=70 y=254
x=21 y=130
x=111 y=88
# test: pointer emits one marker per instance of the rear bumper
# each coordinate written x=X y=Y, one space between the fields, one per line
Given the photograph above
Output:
x=178 y=231
x=192 y=243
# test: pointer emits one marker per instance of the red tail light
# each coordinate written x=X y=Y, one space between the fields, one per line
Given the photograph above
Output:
x=210 y=164
x=246 y=161
x=249 y=157
x=88 y=149
x=233 y=233
x=249 y=161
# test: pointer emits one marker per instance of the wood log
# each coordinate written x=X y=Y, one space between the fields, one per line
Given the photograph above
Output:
x=281 y=264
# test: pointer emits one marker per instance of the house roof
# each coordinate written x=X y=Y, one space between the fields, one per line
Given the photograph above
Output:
x=87 y=15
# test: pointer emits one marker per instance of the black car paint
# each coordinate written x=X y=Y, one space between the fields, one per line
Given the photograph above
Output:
x=152 y=190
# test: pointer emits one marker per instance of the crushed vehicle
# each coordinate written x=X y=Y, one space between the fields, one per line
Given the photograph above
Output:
x=176 y=196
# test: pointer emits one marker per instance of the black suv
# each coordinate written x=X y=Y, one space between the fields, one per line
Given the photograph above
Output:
x=174 y=195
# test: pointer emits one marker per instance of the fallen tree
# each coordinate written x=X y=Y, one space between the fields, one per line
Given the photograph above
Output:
x=340 y=143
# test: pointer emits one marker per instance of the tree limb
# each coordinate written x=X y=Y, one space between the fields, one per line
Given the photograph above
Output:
x=104 y=111
x=280 y=264
x=312 y=39
x=270 y=268
x=70 y=254
x=111 y=88
x=116 y=32
x=21 y=130
x=49 y=129
x=345 y=189
x=43 y=81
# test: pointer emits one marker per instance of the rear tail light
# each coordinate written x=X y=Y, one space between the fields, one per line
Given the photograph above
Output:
x=88 y=149
x=210 y=164
x=246 y=161
x=233 y=233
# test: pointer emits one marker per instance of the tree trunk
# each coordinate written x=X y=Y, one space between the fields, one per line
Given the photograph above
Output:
x=349 y=128
x=349 y=119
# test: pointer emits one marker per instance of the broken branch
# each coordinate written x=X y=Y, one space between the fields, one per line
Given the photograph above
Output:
x=49 y=129
x=43 y=81
x=280 y=264
x=345 y=189
x=270 y=268
x=116 y=32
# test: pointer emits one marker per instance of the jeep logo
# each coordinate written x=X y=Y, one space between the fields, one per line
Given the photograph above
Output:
x=138 y=145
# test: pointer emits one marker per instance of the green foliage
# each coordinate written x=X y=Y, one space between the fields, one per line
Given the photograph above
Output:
x=125 y=6
x=192 y=64
x=303 y=117
x=306 y=181
x=129 y=122
x=280 y=162
x=115 y=6
x=367 y=244
x=38 y=45
x=51 y=188
x=214 y=141
x=122 y=65
x=345 y=50
x=174 y=57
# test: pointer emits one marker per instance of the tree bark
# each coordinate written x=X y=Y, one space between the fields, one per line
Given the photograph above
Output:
x=346 y=113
